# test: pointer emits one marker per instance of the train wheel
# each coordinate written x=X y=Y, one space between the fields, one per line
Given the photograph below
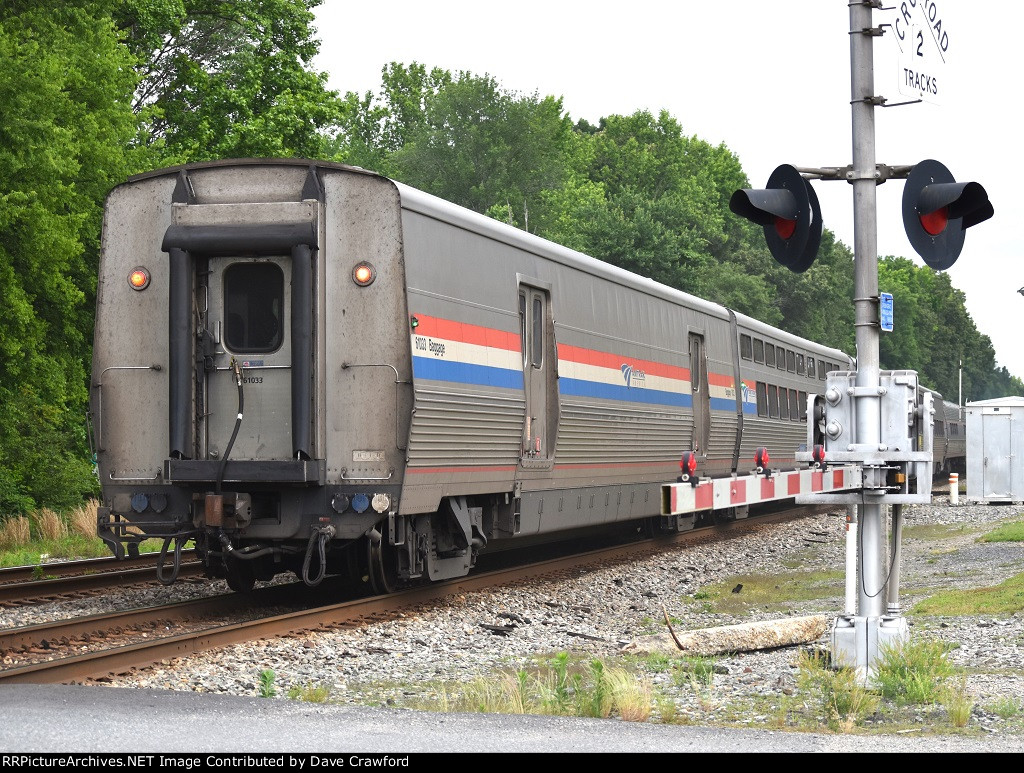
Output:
x=240 y=576
x=380 y=572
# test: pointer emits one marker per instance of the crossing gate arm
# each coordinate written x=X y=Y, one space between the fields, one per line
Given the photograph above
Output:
x=739 y=490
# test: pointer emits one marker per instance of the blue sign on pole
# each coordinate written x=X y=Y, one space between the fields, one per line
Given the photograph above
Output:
x=885 y=311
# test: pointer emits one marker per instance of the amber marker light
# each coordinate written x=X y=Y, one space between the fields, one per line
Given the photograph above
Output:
x=364 y=274
x=139 y=278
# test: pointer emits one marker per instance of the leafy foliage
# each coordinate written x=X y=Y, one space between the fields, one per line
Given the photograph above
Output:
x=65 y=84
x=228 y=80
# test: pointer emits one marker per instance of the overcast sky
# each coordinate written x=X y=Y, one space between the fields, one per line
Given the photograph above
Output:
x=770 y=80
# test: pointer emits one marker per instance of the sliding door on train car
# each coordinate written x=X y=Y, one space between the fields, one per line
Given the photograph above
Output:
x=699 y=390
x=540 y=370
x=248 y=313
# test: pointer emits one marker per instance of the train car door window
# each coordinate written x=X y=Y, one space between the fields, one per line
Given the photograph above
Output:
x=537 y=339
x=699 y=393
x=253 y=302
x=539 y=374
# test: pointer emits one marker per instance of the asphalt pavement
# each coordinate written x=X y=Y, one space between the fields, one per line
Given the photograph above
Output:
x=93 y=719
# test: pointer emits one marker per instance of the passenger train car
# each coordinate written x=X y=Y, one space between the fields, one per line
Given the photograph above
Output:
x=307 y=367
x=949 y=439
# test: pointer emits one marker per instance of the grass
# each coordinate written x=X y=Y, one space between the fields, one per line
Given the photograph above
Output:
x=29 y=540
x=559 y=686
x=769 y=592
x=1008 y=532
x=48 y=535
x=1006 y=598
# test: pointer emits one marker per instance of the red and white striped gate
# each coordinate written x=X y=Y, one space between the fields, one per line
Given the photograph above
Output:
x=737 y=491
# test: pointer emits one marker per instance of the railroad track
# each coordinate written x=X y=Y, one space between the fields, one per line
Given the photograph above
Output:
x=100 y=647
x=21 y=585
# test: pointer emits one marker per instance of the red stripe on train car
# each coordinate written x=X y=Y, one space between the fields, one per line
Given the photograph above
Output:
x=817 y=481
x=569 y=353
x=466 y=333
x=767 y=488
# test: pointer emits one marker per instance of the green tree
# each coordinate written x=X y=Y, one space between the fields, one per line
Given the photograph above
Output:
x=373 y=129
x=661 y=216
x=935 y=335
x=65 y=89
x=229 y=80
x=486 y=148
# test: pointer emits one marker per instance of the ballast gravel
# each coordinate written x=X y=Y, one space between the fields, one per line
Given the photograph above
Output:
x=420 y=658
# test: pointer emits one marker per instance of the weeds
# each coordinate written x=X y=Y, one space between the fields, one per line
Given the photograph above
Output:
x=23 y=540
x=957 y=701
x=266 y=688
x=912 y=672
x=1005 y=708
x=560 y=688
x=15 y=532
x=845 y=703
x=309 y=693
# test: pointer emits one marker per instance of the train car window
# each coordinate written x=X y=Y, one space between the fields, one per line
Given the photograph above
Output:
x=253 y=307
x=939 y=428
x=810 y=367
x=821 y=370
x=954 y=429
x=800 y=371
x=794 y=406
x=537 y=350
x=762 y=399
x=790 y=360
x=758 y=350
x=746 y=348
x=773 y=402
x=802 y=398
x=783 y=404
x=769 y=355
x=522 y=325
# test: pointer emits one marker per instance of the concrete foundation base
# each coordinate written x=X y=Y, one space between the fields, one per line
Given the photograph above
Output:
x=857 y=642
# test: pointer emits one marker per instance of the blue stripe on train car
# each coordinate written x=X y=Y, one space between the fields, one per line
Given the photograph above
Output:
x=465 y=373
x=580 y=388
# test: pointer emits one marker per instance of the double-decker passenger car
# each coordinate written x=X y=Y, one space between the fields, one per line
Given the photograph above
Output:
x=307 y=367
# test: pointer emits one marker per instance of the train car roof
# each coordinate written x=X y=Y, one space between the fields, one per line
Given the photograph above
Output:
x=427 y=204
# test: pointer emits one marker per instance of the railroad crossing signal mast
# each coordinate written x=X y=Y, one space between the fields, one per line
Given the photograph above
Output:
x=880 y=421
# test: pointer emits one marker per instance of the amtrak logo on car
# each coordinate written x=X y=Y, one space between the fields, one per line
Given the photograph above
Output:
x=633 y=376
